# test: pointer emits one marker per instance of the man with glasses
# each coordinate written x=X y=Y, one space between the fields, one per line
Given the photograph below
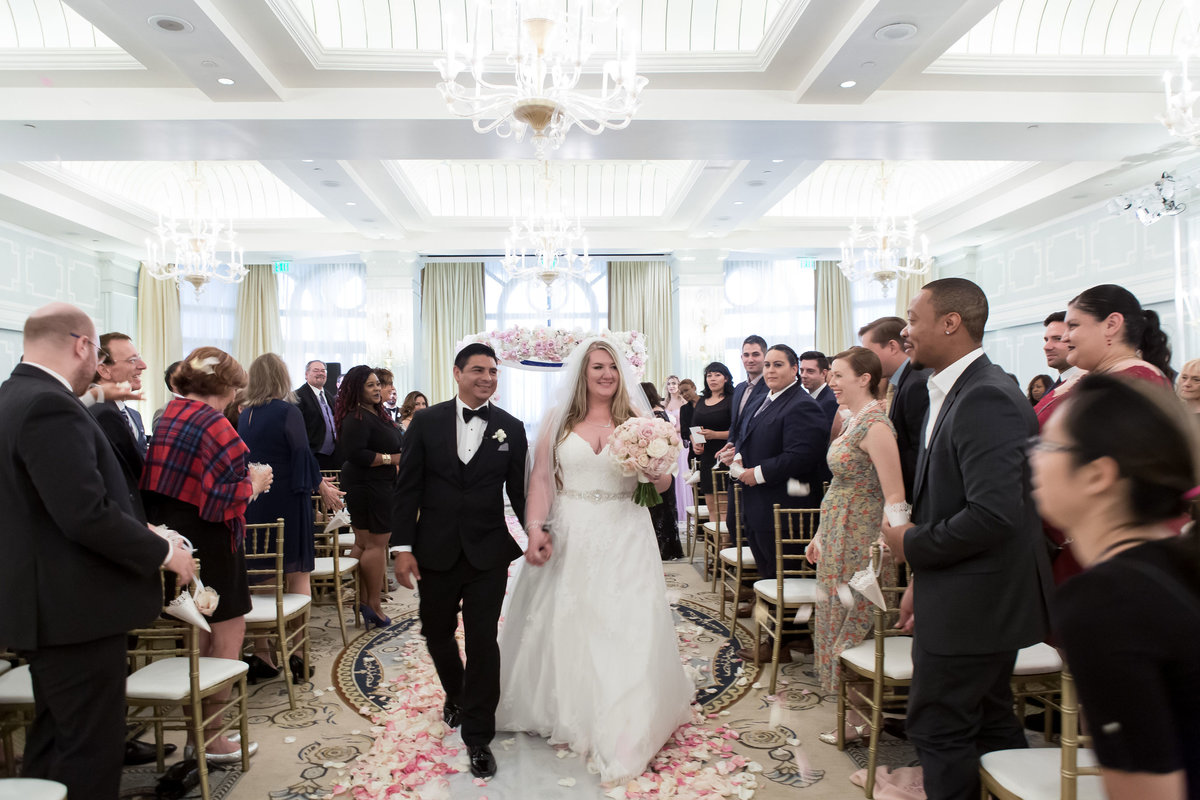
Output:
x=120 y=363
x=80 y=569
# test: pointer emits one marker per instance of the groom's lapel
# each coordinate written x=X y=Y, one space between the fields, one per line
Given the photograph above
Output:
x=487 y=443
x=450 y=431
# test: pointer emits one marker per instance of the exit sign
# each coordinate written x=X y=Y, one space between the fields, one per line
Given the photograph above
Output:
x=282 y=266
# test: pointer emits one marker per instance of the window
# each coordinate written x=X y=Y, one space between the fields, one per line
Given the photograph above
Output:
x=574 y=303
x=322 y=309
x=208 y=319
x=774 y=299
x=868 y=303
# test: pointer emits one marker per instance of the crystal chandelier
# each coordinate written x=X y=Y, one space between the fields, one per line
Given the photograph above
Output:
x=1181 y=95
x=545 y=245
x=885 y=251
x=547 y=43
x=188 y=250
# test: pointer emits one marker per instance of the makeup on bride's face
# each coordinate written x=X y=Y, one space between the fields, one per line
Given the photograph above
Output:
x=602 y=375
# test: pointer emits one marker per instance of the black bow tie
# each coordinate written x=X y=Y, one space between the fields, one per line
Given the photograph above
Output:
x=481 y=412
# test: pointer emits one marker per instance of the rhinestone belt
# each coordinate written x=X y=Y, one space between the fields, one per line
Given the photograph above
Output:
x=594 y=497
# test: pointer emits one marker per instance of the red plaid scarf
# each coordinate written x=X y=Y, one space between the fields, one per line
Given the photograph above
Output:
x=196 y=456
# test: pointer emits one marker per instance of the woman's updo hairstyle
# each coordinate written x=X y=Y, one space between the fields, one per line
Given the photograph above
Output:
x=863 y=362
x=1114 y=417
x=1143 y=331
x=209 y=371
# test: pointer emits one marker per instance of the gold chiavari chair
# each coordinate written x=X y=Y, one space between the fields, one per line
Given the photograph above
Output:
x=694 y=516
x=738 y=570
x=274 y=611
x=715 y=528
x=16 y=706
x=776 y=600
x=334 y=575
x=1068 y=772
x=1037 y=674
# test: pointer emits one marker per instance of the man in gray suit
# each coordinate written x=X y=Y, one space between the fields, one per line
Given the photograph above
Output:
x=981 y=577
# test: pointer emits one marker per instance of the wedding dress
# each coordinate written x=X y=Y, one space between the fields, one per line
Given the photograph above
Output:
x=587 y=650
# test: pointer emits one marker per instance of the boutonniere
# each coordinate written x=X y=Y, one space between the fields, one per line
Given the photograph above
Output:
x=500 y=435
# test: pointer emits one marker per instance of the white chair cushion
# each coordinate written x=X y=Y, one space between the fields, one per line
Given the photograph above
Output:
x=16 y=687
x=795 y=590
x=897 y=657
x=5 y=666
x=1038 y=659
x=323 y=566
x=712 y=527
x=346 y=539
x=31 y=789
x=701 y=511
x=1036 y=773
x=262 y=606
x=169 y=678
x=729 y=556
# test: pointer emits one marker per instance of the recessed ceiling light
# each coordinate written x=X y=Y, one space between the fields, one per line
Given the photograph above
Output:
x=723 y=219
x=209 y=63
x=351 y=203
x=896 y=32
x=30 y=125
x=331 y=184
x=776 y=160
x=1031 y=127
x=756 y=183
x=165 y=22
x=867 y=65
x=306 y=160
x=225 y=81
x=848 y=84
x=738 y=202
x=368 y=219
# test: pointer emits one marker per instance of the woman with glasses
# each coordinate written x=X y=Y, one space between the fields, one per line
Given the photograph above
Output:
x=1129 y=622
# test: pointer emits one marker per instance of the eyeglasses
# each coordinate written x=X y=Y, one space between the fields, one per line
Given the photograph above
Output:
x=132 y=360
x=101 y=353
x=1035 y=444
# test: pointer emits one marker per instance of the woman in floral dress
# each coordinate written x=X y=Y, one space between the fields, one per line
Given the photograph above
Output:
x=865 y=463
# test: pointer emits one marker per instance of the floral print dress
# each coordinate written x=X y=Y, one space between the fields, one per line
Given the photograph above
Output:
x=851 y=514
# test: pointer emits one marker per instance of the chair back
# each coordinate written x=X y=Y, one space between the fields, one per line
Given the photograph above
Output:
x=334 y=475
x=739 y=530
x=325 y=545
x=794 y=529
x=720 y=484
x=1071 y=739
x=166 y=638
x=264 y=558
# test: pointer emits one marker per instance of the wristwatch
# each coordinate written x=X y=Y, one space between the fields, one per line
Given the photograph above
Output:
x=387 y=457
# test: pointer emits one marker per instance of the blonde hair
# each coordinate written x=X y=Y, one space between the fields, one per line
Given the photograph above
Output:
x=269 y=381
x=1190 y=367
x=577 y=409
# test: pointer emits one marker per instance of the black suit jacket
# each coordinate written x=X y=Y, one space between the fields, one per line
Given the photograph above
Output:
x=314 y=420
x=788 y=441
x=131 y=458
x=981 y=574
x=737 y=421
x=828 y=402
x=78 y=564
x=444 y=508
x=910 y=404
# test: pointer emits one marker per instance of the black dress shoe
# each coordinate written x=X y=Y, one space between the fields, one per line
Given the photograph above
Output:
x=177 y=781
x=259 y=670
x=138 y=752
x=296 y=664
x=483 y=763
x=452 y=714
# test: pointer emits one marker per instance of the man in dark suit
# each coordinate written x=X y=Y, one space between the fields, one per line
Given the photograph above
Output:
x=449 y=533
x=814 y=371
x=79 y=568
x=316 y=406
x=981 y=577
x=908 y=398
x=747 y=397
x=121 y=423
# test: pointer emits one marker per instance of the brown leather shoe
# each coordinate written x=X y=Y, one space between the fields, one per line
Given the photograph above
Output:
x=764 y=654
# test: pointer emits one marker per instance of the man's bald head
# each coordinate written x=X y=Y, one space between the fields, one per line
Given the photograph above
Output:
x=57 y=321
x=62 y=337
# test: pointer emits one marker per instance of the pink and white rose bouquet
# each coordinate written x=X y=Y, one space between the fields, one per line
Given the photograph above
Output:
x=645 y=445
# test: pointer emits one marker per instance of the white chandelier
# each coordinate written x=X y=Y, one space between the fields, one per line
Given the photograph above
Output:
x=887 y=250
x=1181 y=96
x=545 y=245
x=188 y=250
x=547 y=43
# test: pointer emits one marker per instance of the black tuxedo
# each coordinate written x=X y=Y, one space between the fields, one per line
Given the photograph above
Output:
x=910 y=403
x=737 y=420
x=79 y=570
x=981 y=577
x=314 y=423
x=452 y=515
x=828 y=402
x=130 y=456
x=788 y=440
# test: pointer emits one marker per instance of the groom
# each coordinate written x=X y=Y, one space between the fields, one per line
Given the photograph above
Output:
x=449 y=533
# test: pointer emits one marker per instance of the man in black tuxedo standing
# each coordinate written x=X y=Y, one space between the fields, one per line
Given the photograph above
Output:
x=908 y=398
x=316 y=406
x=981 y=576
x=747 y=397
x=121 y=423
x=449 y=534
x=814 y=371
x=79 y=568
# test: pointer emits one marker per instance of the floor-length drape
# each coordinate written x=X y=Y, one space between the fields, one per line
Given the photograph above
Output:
x=639 y=298
x=907 y=287
x=452 y=307
x=834 y=316
x=258 y=329
x=159 y=338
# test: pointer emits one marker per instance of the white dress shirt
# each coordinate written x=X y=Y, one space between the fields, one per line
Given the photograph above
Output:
x=815 y=392
x=758 y=473
x=941 y=383
x=57 y=377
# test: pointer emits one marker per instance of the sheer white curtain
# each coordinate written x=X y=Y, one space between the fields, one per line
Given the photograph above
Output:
x=208 y=319
x=774 y=299
x=323 y=315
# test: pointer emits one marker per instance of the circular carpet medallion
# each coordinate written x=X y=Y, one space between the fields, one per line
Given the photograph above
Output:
x=365 y=670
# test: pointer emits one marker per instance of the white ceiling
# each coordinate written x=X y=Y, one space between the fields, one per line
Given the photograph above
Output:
x=996 y=115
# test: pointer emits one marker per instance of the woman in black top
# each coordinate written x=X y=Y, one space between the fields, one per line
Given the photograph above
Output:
x=1113 y=467
x=712 y=416
x=664 y=515
x=370 y=443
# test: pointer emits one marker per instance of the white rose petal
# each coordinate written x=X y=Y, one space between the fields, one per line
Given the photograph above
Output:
x=566 y=782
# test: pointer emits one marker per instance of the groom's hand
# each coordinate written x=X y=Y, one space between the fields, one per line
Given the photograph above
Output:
x=540 y=547
x=405 y=567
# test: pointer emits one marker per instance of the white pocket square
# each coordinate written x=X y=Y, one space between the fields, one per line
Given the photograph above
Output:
x=502 y=448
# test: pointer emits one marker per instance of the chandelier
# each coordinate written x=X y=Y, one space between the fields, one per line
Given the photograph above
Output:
x=1181 y=96
x=1151 y=204
x=187 y=250
x=547 y=43
x=886 y=250
x=546 y=245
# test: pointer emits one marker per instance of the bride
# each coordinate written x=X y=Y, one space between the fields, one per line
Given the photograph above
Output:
x=588 y=652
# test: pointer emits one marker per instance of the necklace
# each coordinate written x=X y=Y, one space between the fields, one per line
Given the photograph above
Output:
x=850 y=423
x=597 y=424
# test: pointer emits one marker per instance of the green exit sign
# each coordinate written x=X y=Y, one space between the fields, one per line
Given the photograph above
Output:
x=282 y=266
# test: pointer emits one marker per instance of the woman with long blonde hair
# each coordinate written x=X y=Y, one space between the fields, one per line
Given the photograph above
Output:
x=570 y=622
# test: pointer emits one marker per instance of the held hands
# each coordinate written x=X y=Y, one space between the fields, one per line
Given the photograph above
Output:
x=906 y=611
x=405 y=568
x=540 y=546
x=893 y=536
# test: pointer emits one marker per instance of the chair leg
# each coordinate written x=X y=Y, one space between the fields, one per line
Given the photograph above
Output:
x=841 y=709
x=243 y=723
x=722 y=612
x=337 y=602
x=284 y=664
x=873 y=749
x=775 y=646
x=199 y=736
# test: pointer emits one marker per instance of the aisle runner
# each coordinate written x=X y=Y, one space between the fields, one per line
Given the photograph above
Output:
x=414 y=756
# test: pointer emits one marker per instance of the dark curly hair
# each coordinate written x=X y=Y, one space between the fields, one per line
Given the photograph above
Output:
x=350 y=396
x=717 y=366
x=1142 y=329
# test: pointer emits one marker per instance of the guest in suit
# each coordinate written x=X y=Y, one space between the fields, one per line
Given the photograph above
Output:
x=80 y=567
x=370 y=443
x=906 y=394
x=413 y=402
x=123 y=365
x=747 y=395
x=316 y=406
x=814 y=373
x=450 y=534
x=981 y=577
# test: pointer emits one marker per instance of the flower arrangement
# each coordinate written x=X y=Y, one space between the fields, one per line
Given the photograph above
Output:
x=642 y=445
x=551 y=346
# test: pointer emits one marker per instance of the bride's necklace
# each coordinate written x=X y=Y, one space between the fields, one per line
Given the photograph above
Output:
x=598 y=425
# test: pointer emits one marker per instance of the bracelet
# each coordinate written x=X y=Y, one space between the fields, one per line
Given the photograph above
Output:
x=537 y=523
x=387 y=457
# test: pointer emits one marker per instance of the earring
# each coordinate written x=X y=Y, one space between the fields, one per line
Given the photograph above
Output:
x=947 y=333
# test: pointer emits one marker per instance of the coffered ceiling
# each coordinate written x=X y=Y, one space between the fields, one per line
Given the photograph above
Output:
x=316 y=126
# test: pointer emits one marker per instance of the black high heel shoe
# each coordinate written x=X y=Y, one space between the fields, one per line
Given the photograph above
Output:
x=296 y=664
x=259 y=670
x=371 y=618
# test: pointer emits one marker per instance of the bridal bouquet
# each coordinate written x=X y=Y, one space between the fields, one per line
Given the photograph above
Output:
x=645 y=444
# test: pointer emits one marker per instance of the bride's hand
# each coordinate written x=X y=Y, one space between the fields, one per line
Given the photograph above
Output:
x=540 y=547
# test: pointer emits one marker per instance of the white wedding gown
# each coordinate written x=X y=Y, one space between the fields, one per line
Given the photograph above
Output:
x=588 y=652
